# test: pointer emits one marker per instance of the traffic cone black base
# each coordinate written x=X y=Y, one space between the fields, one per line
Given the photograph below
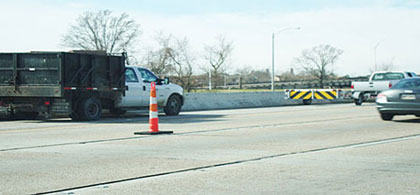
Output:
x=153 y=133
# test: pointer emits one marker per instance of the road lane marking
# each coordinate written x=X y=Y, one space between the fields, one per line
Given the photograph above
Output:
x=388 y=140
x=175 y=134
x=133 y=119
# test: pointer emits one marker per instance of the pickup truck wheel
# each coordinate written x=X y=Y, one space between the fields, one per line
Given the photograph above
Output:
x=307 y=102
x=117 y=111
x=173 y=106
x=359 y=101
x=90 y=109
x=387 y=116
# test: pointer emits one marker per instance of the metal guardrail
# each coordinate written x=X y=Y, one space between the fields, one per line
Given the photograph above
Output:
x=292 y=85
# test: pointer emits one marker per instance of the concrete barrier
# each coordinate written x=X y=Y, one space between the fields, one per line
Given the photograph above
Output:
x=211 y=101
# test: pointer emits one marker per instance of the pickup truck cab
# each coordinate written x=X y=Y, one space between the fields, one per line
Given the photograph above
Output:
x=378 y=81
x=137 y=95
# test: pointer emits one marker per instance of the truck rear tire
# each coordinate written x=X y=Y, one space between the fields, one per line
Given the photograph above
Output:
x=89 y=109
x=173 y=106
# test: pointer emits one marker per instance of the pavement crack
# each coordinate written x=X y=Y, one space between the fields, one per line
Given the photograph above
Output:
x=177 y=134
x=231 y=163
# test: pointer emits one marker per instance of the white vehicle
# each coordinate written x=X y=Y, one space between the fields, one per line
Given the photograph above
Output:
x=137 y=94
x=378 y=81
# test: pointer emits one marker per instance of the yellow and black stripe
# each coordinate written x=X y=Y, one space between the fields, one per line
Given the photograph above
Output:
x=300 y=95
x=325 y=95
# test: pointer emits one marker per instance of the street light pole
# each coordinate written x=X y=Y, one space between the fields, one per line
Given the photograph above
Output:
x=272 y=64
x=210 y=88
x=272 y=54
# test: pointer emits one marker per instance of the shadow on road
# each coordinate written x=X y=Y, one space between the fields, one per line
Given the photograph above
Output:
x=408 y=121
x=134 y=118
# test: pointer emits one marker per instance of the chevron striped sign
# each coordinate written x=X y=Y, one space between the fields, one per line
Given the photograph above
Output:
x=306 y=94
x=327 y=94
x=300 y=94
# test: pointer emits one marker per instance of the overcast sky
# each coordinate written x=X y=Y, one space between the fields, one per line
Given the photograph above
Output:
x=355 y=26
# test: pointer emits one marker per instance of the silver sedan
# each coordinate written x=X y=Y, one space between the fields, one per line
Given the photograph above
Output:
x=402 y=99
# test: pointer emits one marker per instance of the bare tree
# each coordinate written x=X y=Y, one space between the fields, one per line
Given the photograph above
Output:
x=183 y=61
x=315 y=61
x=159 y=60
x=102 y=31
x=250 y=75
x=217 y=56
x=386 y=66
x=172 y=57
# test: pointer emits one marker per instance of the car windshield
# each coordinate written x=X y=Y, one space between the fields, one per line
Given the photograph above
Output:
x=407 y=84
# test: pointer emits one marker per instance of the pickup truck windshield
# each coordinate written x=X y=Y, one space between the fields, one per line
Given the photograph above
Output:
x=147 y=76
x=387 y=76
x=407 y=84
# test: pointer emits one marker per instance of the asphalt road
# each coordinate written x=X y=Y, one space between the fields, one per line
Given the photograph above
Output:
x=317 y=149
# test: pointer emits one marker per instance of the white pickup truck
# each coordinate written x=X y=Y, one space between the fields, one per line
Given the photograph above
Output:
x=378 y=81
x=137 y=95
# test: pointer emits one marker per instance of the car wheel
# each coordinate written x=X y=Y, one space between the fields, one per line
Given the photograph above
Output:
x=387 y=116
x=90 y=109
x=173 y=106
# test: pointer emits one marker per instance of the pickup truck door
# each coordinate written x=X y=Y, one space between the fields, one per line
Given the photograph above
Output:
x=135 y=91
x=161 y=90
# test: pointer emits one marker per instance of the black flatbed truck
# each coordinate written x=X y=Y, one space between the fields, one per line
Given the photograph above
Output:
x=76 y=84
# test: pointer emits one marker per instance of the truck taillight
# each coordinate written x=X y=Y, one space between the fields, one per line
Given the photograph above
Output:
x=390 y=85
x=352 y=86
x=47 y=103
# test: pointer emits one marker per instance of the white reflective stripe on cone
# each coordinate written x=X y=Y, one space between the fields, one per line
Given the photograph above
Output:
x=153 y=101
x=153 y=114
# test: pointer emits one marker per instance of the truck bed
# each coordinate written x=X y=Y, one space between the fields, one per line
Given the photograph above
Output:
x=48 y=74
x=371 y=85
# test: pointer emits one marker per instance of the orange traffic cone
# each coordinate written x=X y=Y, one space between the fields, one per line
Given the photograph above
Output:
x=153 y=115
